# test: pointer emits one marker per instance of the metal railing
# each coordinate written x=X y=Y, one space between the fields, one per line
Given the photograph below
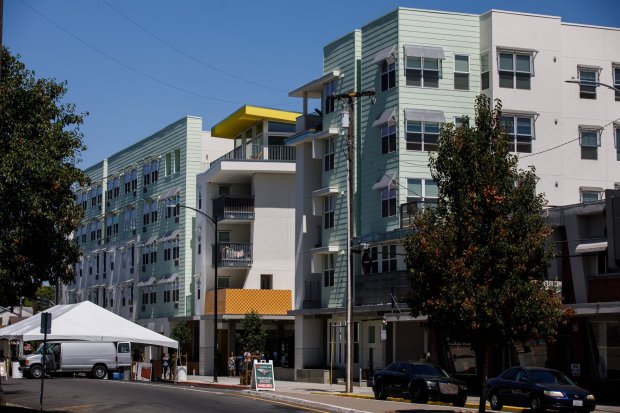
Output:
x=233 y=207
x=234 y=254
x=279 y=153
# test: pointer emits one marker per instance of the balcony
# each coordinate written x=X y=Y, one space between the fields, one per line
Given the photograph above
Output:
x=234 y=254
x=233 y=208
x=243 y=301
x=381 y=288
x=277 y=153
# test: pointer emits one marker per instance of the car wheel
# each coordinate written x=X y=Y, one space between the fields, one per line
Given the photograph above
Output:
x=535 y=405
x=380 y=391
x=459 y=403
x=495 y=403
x=418 y=395
x=36 y=372
x=100 y=372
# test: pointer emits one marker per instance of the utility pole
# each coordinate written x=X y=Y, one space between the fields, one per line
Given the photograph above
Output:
x=350 y=99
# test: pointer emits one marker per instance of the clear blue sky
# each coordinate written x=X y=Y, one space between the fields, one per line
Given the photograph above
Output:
x=139 y=65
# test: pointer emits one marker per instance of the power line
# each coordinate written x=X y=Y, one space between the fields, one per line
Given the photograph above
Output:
x=189 y=56
x=125 y=65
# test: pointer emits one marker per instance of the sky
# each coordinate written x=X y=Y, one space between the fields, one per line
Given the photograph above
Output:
x=137 y=66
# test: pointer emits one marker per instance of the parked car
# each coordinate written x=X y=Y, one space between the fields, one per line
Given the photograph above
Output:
x=539 y=389
x=93 y=358
x=420 y=382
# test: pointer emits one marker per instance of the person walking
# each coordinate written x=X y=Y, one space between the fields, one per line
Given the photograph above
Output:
x=165 y=362
x=231 y=365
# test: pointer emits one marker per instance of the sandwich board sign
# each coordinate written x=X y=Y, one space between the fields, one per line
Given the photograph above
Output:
x=262 y=376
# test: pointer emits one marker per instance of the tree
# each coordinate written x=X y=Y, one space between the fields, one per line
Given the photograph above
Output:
x=41 y=143
x=478 y=260
x=253 y=336
x=182 y=333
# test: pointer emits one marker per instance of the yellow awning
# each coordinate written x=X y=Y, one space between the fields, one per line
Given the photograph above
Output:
x=247 y=116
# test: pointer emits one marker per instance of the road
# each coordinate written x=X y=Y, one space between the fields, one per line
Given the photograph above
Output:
x=88 y=395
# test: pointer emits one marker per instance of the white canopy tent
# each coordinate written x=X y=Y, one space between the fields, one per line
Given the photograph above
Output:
x=85 y=321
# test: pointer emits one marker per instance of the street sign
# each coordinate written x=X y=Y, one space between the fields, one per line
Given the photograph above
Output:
x=46 y=323
x=262 y=375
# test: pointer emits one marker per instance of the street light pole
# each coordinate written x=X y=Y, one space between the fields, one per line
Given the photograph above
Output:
x=588 y=83
x=214 y=221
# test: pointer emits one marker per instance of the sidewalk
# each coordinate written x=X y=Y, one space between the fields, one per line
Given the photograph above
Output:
x=333 y=397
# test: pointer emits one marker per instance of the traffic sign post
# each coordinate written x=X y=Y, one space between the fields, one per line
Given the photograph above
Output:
x=46 y=328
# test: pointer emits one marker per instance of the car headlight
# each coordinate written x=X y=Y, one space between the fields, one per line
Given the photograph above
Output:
x=26 y=362
x=553 y=393
x=590 y=397
x=431 y=384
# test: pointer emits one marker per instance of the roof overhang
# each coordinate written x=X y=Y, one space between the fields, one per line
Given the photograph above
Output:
x=314 y=89
x=247 y=116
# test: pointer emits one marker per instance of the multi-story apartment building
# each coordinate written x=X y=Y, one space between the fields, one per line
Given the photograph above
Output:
x=250 y=193
x=137 y=245
x=426 y=68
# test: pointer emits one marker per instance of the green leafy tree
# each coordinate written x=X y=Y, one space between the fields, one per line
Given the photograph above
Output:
x=253 y=336
x=182 y=332
x=478 y=260
x=41 y=143
x=43 y=299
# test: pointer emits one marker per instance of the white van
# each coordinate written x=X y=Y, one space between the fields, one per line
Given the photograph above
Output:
x=95 y=359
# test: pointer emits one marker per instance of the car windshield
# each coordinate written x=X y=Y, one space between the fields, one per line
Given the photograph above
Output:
x=428 y=370
x=40 y=349
x=550 y=377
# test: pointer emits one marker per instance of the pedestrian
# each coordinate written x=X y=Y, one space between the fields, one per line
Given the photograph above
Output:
x=165 y=362
x=231 y=365
x=174 y=360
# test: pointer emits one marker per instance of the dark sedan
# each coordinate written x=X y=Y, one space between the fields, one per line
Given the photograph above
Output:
x=420 y=382
x=539 y=389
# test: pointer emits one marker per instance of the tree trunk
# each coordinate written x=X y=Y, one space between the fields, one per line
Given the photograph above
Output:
x=482 y=366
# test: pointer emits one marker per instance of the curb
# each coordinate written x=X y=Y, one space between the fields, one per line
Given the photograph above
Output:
x=301 y=402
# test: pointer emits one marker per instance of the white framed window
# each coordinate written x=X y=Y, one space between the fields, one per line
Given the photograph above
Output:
x=422 y=136
x=520 y=128
x=515 y=69
x=588 y=81
x=422 y=71
x=328 y=153
x=388 y=202
x=388 y=258
x=329 y=207
x=328 y=270
x=589 y=140
x=590 y=195
x=461 y=72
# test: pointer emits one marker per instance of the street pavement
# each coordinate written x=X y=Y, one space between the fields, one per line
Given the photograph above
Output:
x=333 y=397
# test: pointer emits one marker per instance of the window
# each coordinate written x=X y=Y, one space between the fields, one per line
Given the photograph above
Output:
x=484 y=72
x=329 y=89
x=329 y=206
x=520 y=129
x=388 y=258
x=154 y=211
x=616 y=75
x=224 y=190
x=154 y=170
x=461 y=72
x=146 y=174
x=422 y=192
x=589 y=141
x=127 y=182
x=168 y=164
x=422 y=136
x=590 y=195
x=146 y=214
x=223 y=282
x=388 y=202
x=266 y=281
x=153 y=297
x=515 y=70
x=281 y=127
x=388 y=75
x=167 y=296
x=134 y=180
x=116 y=188
x=388 y=138
x=588 y=79
x=328 y=154
x=617 y=140
x=177 y=160
x=422 y=71
x=328 y=270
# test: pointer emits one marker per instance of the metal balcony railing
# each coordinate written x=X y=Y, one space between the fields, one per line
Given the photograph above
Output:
x=234 y=254
x=233 y=207
x=277 y=153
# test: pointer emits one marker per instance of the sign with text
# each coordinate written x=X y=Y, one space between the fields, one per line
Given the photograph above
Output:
x=262 y=375
x=46 y=323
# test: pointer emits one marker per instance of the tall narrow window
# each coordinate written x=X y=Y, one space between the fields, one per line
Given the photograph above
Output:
x=388 y=202
x=616 y=75
x=484 y=72
x=177 y=160
x=329 y=206
x=168 y=164
x=329 y=89
x=461 y=72
x=388 y=75
x=266 y=281
x=388 y=138
x=328 y=154
x=388 y=258
x=328 y=270
x=617 y=135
